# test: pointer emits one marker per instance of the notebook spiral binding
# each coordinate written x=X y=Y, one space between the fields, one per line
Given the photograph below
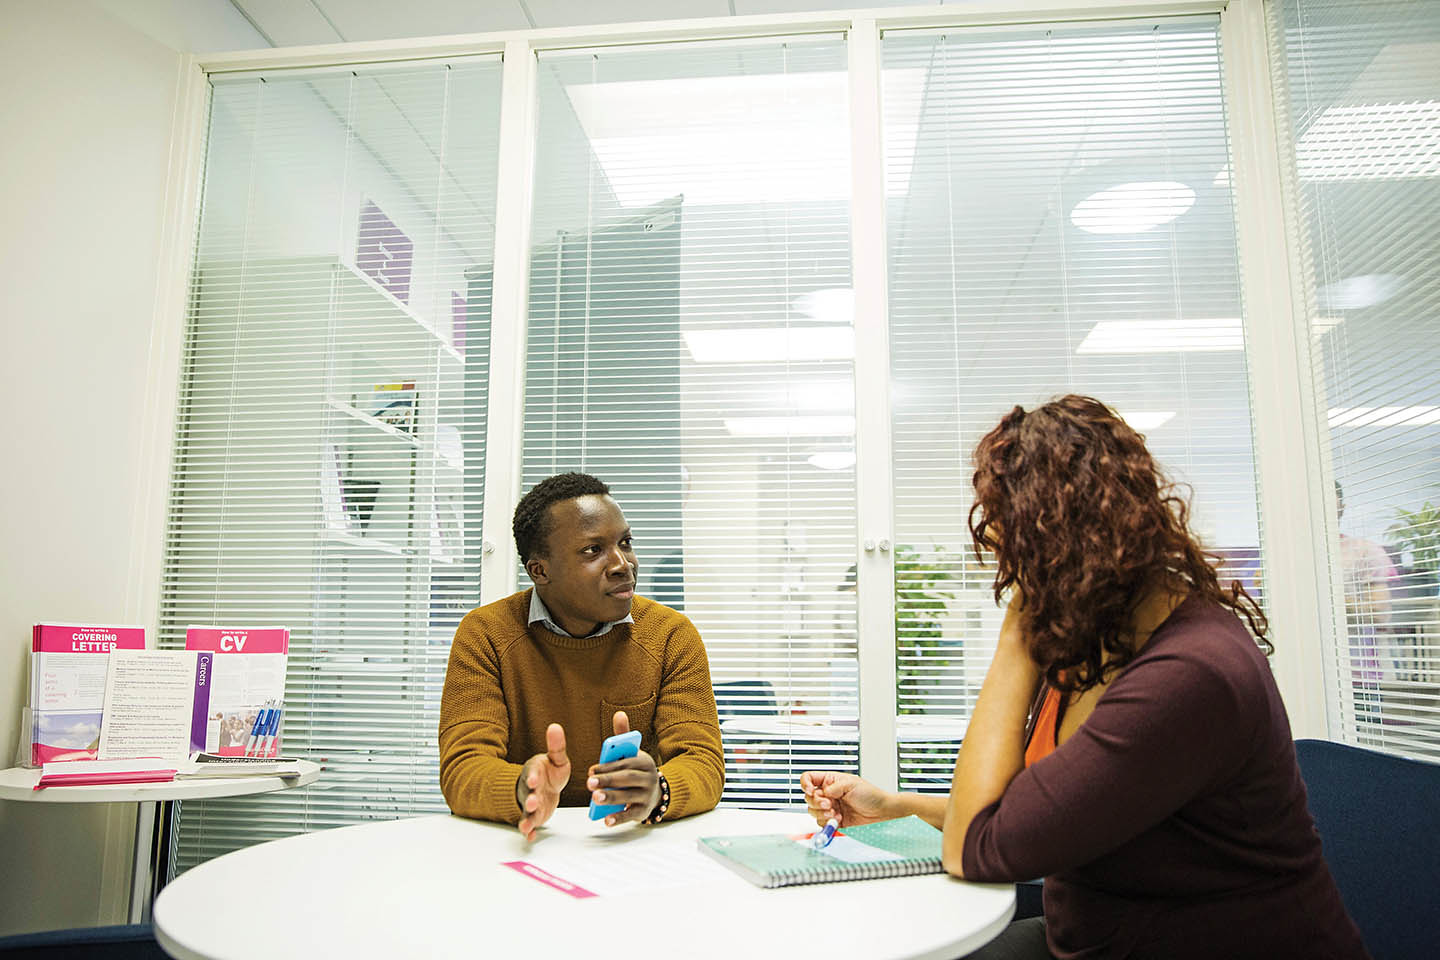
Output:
x=878 y=870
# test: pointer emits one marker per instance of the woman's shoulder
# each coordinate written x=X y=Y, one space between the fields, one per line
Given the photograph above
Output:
x=1203 y=624
x=1203 y=644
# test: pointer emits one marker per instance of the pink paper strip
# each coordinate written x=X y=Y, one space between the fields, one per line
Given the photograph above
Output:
x=549 y=879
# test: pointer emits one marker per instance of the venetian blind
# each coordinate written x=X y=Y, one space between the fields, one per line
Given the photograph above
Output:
x=329 y=447
x=1060 y=219
x=690 y=343
x=1359 y=93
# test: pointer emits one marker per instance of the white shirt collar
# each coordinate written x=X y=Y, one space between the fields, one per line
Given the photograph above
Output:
x=539 y=613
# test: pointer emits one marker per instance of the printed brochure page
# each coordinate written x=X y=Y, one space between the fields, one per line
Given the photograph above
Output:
x=155 y=703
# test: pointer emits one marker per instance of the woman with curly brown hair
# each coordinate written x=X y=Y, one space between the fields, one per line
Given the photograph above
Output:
x=1129 y=743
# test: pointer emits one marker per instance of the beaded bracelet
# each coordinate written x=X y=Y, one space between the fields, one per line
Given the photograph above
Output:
x=658 y=813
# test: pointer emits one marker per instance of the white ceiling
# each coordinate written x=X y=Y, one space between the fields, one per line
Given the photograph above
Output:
x=294 y=22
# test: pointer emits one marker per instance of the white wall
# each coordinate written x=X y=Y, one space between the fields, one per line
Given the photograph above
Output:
x=86 y=104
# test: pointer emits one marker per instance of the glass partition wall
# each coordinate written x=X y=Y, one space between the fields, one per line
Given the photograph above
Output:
x=1058 y=215
x=1359 y=102
x=329 y=457
x=689 y=341
x=1060 y=220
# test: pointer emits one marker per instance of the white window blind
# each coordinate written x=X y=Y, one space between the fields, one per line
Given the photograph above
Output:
x=1059 y=219
x=1359 y=91
x=690 y=343
x=329 y=448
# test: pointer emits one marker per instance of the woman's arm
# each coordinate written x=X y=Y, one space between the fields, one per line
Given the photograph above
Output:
x=928 y=807
x=850 y=800
x=993 y=751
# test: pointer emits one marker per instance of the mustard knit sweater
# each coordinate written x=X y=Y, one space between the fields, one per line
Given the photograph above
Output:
x=508 y=680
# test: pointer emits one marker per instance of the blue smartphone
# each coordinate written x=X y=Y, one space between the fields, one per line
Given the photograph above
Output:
x=614 y=748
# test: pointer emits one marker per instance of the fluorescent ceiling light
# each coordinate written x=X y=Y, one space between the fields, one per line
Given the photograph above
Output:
x=1376 y=141
x=1354 y=293
x=1142 y=420
x=802 y=393
x=832 y=459
x=1164 y=336
x=771 y=344
x=1132 y=207
x=791 y=426
x=1384 y=126
x=830 y=304
x=1422 y=415
x=766 y=138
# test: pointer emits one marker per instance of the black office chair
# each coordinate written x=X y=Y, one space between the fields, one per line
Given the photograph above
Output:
x=745 y=698
x=735 y=700
x=1029 y=899
x=127 y=942
x=1379 y=821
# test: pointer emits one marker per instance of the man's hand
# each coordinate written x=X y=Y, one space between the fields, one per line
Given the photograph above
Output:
x=845 y=797
x=634 y=781
x=541 y=780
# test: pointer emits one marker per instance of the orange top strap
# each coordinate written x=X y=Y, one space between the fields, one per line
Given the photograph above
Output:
x=1046 y=730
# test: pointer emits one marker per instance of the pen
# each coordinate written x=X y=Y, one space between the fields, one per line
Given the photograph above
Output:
x=273 y=733
x=271 y=723
x=823 y=836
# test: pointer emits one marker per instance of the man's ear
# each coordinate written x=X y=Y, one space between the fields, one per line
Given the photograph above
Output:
x=535 y=566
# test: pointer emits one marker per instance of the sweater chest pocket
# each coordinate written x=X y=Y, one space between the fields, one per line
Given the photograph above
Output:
x=641 y=715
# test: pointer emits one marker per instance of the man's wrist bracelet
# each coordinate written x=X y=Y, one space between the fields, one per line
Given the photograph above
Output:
x=658 y=814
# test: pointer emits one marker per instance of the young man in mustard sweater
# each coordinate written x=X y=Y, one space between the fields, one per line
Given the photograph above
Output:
x=552 y=671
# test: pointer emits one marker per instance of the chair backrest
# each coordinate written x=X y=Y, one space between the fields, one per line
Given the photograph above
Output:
x=1379 y=823
x=127 y=942
x=745 y=698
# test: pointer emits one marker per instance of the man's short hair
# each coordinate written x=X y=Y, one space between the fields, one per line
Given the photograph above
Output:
x=531 y=525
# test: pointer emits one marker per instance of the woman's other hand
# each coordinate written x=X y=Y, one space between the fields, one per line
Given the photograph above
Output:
x=844 y=797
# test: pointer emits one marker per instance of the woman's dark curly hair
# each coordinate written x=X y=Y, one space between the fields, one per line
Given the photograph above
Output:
x=1084 y=523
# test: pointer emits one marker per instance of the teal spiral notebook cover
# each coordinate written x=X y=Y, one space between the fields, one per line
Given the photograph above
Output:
x=890 y=848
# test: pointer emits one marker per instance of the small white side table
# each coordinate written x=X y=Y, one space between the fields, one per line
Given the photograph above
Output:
x=153 y=814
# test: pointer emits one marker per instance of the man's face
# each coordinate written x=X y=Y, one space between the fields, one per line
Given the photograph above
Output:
x=586 y=571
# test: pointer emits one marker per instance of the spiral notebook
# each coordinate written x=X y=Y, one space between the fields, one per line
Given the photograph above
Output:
x=890 y=848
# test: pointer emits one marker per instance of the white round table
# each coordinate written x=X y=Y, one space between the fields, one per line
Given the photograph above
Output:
x=153 y=819
x=440 y=886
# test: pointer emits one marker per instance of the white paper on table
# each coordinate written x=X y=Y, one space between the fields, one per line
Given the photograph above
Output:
x=637 y=866
x=850 y=850
x=149 y=695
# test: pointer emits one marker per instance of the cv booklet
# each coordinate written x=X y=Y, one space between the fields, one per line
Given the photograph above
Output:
x=889 y=848
x=247 y=690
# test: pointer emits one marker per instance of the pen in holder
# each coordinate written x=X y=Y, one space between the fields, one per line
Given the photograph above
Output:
x=272 y=745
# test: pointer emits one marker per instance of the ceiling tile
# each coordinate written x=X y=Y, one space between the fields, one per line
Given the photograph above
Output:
x=369 y=20
x=288 y=23
x=571 y=13
x=745 y=8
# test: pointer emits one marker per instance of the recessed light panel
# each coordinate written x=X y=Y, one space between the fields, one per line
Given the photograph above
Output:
x=1164 y=336
x=1133 y=207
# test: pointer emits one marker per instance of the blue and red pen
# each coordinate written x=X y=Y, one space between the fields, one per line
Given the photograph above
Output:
x=822 y=837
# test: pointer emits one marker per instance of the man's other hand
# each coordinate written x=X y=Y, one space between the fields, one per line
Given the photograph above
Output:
x=634 y=781
x=541 y=780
